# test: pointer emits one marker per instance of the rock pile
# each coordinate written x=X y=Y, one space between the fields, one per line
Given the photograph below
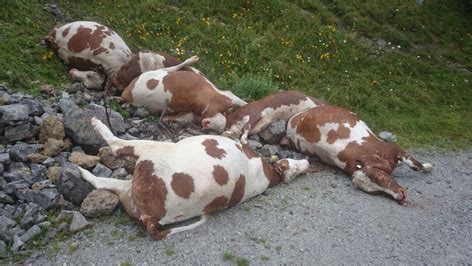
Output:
x=43 y=139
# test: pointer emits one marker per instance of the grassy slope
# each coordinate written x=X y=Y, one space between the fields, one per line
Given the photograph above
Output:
x=320 y=47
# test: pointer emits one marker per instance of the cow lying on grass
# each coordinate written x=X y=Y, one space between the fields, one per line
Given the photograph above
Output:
x=87 y=45
x=340 y=138
x=197 y=176
x=148 y=61
x=181 y=91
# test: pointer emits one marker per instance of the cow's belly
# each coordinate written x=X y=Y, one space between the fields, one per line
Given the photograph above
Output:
x=202 y=179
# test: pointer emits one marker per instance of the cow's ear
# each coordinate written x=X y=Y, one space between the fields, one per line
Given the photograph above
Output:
x=232 y=109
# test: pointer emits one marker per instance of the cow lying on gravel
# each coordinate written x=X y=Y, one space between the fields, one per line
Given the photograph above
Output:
x=147 y=61
x=340 y=138
x=181 y=91
x=258 y=115
x=87 y=45
x=197 y=176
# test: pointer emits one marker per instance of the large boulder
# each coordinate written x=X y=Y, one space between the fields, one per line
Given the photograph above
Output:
x=84 y=160
x=71 y=184
x=79 y=129
x=14 y=114
x=35 y=107
x=20 y=151
x=274 y=133
x=98 y=203
x=51 y=128
x=19 y=171
x=6 y=224
x=25 y=131
x=46 y=198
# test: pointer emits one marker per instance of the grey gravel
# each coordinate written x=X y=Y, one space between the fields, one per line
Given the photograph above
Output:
x=309 y=222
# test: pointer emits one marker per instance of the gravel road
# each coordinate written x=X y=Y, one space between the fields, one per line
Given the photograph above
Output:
x=317 y=219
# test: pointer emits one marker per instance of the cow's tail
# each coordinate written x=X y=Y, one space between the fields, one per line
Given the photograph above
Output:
x=115 y=185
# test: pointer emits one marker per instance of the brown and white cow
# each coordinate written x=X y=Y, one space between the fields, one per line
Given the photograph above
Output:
x=257 y=115
x=194 y=177
x=148 y=61
x=181 y=91
x=87 y=45
x=137 y=64
x=340 y=138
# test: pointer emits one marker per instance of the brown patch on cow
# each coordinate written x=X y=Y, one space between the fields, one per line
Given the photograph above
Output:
x=127 y=95
x=309 y=122
x=182 y=184
x=193 y=93
x=238 y=192
x=111 y=45
x=65 y=31
x=149 y=191
x=100 y=50
x=271 y=173
x=281 y=166
x=211 y=148
x=371 y=153
x=86 y=39
x=169 y=61
x=126 y=151
x=220 y=175
x=51 y=40
x=254 y=109
x=152 y=83
x=248 y=151
x=215 y=205
x=342 y=133
x=127 y=72
x=81 y=63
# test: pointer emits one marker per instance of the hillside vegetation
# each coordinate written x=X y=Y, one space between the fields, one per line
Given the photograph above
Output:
x=402 y=65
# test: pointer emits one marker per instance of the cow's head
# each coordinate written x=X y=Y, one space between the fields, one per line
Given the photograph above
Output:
x=290 y=168
x=215 y=123
x=374 y=180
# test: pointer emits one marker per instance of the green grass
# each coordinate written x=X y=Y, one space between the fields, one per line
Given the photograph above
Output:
x=420 y=90
x=169 y=251
x=239 y=261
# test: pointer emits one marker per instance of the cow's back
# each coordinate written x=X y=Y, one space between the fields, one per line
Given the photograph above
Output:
x=85 y=45
x=325 y=131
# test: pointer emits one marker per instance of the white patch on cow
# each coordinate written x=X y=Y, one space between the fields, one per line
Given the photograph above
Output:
x=295 y=168
x=326 y=151
x=150 y=61
x=206 y=109
x=154 y=100
x=427 y=167
x=284 y=112
x=111 y=60
x=237 y=128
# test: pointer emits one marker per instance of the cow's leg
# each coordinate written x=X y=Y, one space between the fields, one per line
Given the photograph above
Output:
x=262 y=124
x=156 y=233
x=415 y=165
x=112 y=184
x=120 y=146
x=120 y=187
x=173 y=118
x=176 y=230
x=243 y=138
